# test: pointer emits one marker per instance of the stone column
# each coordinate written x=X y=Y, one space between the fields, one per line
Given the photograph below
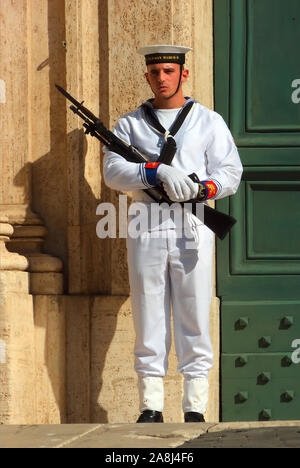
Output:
x=24 y=269
x=16 y=127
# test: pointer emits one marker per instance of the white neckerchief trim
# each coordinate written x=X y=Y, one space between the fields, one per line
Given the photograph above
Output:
x=160 y=133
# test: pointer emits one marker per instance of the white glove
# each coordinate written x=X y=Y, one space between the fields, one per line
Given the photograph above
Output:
x=178 y=186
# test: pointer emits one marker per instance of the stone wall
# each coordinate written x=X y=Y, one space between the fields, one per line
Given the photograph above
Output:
x=66 y=335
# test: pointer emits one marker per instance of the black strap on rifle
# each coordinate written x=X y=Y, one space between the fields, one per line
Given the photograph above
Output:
x=169 y=149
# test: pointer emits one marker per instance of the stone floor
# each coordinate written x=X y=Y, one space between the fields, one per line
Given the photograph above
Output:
x=268 y=437
x=275 y=434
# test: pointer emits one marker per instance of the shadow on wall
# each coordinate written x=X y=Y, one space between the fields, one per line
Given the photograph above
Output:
x=74 y=333
x=99 y=341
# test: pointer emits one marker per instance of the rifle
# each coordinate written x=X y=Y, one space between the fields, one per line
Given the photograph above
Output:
x=220 y=223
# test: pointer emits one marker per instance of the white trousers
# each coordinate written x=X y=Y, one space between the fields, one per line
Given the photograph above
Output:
x=166 y=270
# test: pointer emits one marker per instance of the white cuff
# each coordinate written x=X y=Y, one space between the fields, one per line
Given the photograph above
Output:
x=151 y=391
x=195 y=395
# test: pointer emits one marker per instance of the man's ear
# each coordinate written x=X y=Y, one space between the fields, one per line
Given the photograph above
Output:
x=185 y=75
x=146 y=75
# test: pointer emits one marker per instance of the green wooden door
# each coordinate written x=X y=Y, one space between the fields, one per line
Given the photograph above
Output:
x=257 y=91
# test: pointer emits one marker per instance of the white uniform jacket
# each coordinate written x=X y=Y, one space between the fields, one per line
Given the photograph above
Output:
x=204 y=146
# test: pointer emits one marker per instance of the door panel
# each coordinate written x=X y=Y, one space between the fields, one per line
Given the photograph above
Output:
x=271 y=66
x=263 y=68
x=258 y=264
x=260 y=387
x=260 y=326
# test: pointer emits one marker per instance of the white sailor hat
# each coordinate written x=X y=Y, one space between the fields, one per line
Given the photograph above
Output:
x=162 y=53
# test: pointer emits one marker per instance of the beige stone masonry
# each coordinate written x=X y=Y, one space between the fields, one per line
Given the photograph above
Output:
x=27 y=236
x=65 y=315
x=33 y=363
x=17 y=378
x=50 y=358
x=14 y=282
x=8 y=260
x=16 y=149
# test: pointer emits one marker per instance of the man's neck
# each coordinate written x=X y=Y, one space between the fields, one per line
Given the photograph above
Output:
x=173 y=103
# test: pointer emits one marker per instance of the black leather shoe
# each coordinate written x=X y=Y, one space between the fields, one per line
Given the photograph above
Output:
x=192 y=416
x=149 y=416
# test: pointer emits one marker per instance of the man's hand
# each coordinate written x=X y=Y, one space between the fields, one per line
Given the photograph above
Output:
x=178 y=186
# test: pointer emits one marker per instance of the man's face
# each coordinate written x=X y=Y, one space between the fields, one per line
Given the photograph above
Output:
x=163 y=78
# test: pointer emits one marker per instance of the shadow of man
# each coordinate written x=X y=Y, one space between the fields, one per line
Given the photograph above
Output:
x=88 y=270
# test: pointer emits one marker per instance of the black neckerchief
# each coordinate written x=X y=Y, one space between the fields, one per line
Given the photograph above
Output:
x=169 y=149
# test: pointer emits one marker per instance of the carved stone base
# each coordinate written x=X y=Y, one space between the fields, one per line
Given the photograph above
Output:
x=22 y=234
x=9 y=260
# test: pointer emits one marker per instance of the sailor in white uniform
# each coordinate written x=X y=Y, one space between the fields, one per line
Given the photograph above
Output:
x=168 y=269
